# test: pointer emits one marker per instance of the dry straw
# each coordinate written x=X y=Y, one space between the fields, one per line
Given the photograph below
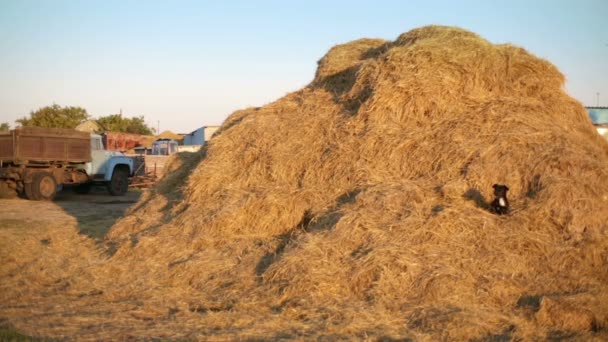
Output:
x=356 y=208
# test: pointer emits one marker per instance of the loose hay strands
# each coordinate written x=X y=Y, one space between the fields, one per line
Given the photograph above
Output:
x=356 y=208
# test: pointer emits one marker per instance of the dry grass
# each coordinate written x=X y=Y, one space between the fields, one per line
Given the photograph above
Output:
x=355 y=209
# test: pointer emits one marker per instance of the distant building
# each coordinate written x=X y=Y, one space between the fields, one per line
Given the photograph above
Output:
x=123 y=142
x=200 y=136
x=599 y=117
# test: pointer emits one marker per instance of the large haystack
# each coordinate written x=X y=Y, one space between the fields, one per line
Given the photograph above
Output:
x=356 y=208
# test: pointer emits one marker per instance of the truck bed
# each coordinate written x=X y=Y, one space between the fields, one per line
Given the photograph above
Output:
x=34 y=144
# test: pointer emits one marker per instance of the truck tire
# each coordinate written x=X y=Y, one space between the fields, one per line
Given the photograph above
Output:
x=119 y=184
x=42 y=188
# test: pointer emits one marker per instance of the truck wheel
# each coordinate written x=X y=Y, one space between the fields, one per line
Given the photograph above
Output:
x=119 y=184
x=42 y=188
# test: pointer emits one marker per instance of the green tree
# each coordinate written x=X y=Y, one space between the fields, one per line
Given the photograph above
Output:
x=55 y=116
x=4 y=126
x=118 y=123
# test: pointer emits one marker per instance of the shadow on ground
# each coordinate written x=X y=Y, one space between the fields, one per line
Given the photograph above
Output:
x=97 y=211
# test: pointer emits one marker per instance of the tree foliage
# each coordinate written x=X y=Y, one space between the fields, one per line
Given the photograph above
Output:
x=118 y=123
x=55 y=116
x=4 y=126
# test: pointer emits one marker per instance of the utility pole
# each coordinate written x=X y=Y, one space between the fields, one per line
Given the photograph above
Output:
x=158 y=127
x=598 y=98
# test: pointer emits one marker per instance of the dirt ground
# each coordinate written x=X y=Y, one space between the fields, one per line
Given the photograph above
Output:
x=27 y=227
x=91 y=214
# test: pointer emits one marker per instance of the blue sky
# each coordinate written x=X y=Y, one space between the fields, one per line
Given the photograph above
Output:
x=187 y=64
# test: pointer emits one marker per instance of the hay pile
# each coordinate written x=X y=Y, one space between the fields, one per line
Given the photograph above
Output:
x=356 y=208
x=170 y=135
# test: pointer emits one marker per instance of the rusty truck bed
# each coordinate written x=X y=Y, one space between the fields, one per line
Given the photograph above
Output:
x=34 y=144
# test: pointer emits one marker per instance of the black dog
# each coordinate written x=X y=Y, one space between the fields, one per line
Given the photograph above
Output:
x=500 y=204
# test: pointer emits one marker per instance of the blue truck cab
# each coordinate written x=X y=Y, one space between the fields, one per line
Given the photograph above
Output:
x=108 y=167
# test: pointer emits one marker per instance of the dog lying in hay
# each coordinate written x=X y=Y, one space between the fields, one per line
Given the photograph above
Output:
x=500 y=204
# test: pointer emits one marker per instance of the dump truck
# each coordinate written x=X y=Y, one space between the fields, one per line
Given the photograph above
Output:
x=35 y=161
